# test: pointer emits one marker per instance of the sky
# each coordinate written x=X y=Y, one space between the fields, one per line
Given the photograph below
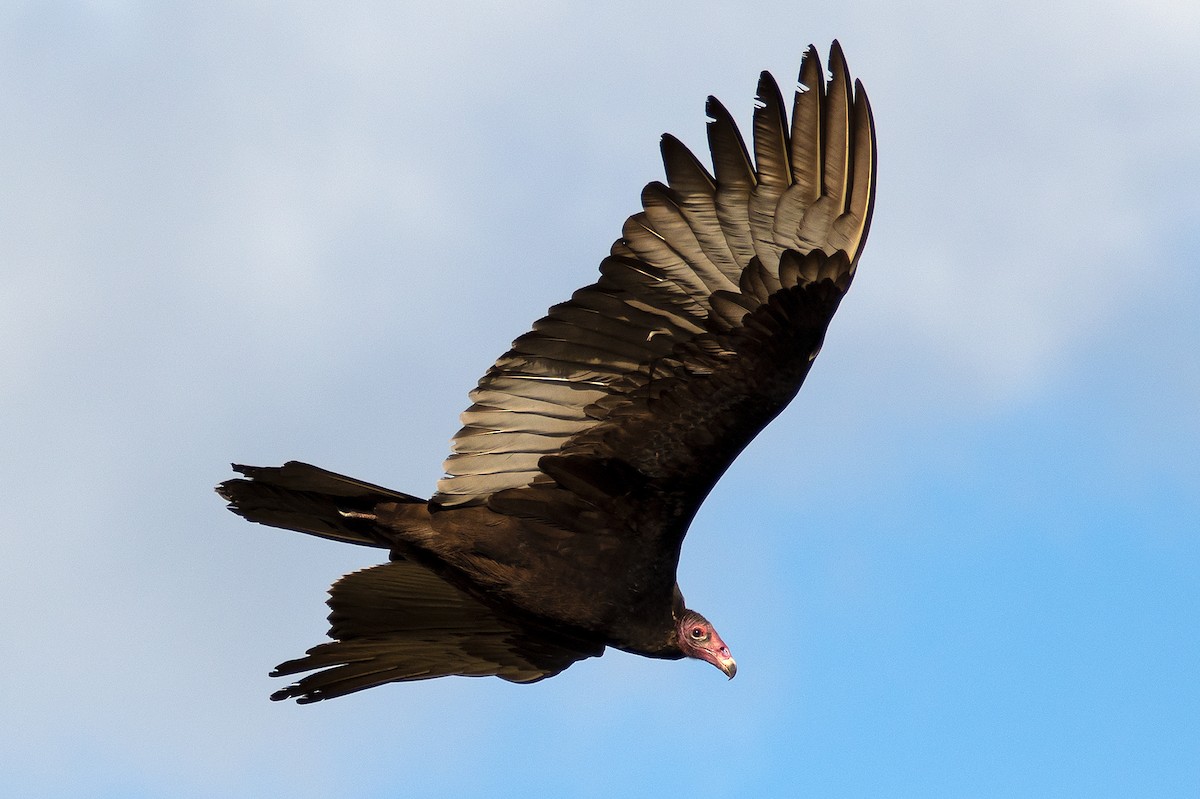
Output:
x=963 y=563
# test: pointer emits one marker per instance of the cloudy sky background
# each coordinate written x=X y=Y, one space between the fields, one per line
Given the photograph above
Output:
x=964 y=562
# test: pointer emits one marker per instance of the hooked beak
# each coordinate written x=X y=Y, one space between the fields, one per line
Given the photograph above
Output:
x=717 y=653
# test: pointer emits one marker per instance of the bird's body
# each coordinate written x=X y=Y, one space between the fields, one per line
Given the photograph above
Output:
x=591 y=444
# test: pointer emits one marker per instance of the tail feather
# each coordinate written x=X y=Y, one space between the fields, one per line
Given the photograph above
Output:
x=297 y=496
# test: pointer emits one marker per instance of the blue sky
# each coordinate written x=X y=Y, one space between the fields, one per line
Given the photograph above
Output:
x=963 y=563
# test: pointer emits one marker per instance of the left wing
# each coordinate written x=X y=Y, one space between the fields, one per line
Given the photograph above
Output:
x=399 y=622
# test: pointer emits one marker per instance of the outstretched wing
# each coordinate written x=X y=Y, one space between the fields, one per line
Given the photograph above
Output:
x=400 y=622
x=701 y=328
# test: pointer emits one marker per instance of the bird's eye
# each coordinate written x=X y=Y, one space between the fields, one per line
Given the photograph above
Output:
x=697 y=633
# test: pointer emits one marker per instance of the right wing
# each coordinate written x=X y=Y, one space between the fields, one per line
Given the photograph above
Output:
x=704 y=255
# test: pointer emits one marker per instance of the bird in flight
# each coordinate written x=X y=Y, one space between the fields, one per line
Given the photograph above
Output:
x=590 y=445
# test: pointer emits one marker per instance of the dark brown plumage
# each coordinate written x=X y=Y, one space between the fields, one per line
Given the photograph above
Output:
x=590 y=444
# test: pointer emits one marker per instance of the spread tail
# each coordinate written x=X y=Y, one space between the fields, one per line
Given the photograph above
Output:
x=297 y=496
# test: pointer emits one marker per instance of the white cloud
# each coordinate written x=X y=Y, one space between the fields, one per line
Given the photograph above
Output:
x=256 y=230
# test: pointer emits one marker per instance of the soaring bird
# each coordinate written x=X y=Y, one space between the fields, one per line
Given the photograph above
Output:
x=590 y=445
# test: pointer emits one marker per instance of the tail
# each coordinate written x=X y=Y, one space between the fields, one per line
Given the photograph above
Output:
x=297 y=496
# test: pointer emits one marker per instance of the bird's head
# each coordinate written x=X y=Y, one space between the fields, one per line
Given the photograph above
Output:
x=698 y=639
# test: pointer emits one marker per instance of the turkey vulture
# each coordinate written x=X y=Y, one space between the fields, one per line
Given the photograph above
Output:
x=590 y=444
